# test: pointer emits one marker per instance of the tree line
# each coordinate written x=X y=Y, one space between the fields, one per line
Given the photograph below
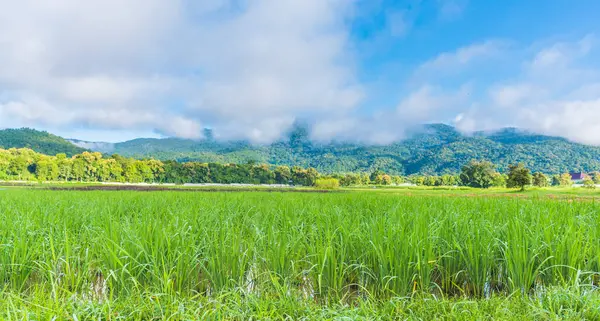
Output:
x=27 y=165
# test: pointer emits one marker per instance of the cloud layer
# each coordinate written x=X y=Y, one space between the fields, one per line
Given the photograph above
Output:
x=250 y=69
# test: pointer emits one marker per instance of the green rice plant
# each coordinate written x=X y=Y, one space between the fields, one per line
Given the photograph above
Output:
x=184 y=255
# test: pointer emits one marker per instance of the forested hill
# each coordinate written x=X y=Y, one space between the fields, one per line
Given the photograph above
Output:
x=39 y=141
x=437 y=149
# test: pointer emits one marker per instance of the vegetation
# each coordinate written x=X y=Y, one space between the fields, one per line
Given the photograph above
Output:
x=27 y=165
x=562 y=180
x=540 y=180
x=176 y=256
x=41 y=142
x=435 y=150
x=518 y=176
x=478 y=174
x=327 y=183
x=589 y=183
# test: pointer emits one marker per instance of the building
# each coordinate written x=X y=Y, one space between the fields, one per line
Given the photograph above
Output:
x=578 y=178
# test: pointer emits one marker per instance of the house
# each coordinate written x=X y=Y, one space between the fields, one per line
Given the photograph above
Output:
x=578 y=178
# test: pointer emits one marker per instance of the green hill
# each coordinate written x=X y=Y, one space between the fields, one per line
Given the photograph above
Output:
x=39 y=141
x=436 y=149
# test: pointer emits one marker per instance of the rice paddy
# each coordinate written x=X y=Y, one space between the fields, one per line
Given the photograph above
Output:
x=125 y=255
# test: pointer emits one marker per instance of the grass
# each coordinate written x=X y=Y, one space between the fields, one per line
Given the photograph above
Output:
x=125 y=255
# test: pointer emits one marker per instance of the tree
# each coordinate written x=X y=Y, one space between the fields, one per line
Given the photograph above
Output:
x=365 y=179
x=555 y=180
x=447 y=180
x=383 y=179
x=540 y=180
x=375 y=174
x=499 y=180
x=595 y=177
x=46 y=169
x=350 y=180
x=304 y=177
x=311 y=176
x=589 y=183
x=78 y=169
x=397 y=180
x=565 y=180
x=283 y=175
x=479 y=174
x=417 y=180
x=518 y=176
x=430 y=180
x=18 y=167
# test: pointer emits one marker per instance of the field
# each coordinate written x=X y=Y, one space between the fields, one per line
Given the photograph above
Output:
x=409 y=254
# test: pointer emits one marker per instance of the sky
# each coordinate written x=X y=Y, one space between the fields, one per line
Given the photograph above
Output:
x=355 y=70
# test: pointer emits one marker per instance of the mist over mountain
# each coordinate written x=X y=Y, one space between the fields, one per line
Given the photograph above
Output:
x=435 y=149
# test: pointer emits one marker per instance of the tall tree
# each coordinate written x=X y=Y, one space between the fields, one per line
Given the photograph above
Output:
x=518 y=176
x=540 y=180
x=565 y=180
x=478 y=174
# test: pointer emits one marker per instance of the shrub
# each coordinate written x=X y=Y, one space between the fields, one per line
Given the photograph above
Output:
x=589 y=183
x=327 y=183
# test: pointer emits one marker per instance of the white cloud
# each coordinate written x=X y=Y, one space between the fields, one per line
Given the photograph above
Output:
x=247 y=69
x=512 y=96
x=426 y=104
x=555 y=93
x=250 y=69
x=553 y=90
x=451 y=9
x=463 y=57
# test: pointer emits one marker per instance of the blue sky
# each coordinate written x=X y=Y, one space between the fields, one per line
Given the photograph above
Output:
x=357 y=70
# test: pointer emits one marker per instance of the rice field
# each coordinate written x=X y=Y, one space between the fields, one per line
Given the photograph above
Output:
x=125 y=255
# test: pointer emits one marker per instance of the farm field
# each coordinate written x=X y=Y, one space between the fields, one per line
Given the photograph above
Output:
x=385 y=254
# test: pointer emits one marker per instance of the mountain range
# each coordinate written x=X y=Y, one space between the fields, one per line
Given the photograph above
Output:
x=435 y=149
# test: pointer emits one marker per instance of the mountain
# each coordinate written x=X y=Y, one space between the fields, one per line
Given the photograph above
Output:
x=39 y=141
x=434 y=149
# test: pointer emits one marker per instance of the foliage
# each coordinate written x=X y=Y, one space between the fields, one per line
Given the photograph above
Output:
x=518 y=176
x=499 y=180
x=589 y=183
x=434 y=150
x=25 y=164
x=478 y=174
x=41 y=142
x=565 y=180
x=540 y=180
x=327 y=183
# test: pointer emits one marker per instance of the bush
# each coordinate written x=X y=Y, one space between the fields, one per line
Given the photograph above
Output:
x=589 y=183
x=327 y=183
